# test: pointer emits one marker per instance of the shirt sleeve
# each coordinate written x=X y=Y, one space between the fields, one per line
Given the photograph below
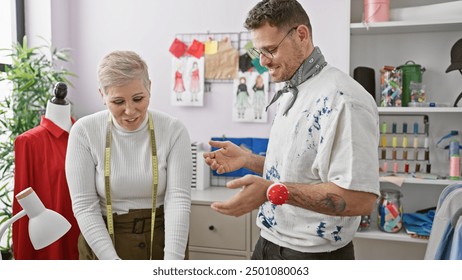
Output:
x=349 y=154
x=80 y=174
x=178 y=194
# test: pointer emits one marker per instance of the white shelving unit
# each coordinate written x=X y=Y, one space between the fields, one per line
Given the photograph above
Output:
x=417 y=181
x=419 y=110
x=397 y=27
x=374 y=233
x=427 y=42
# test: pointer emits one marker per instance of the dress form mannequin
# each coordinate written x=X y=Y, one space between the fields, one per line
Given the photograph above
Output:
x=39 y=162
x=58 y=109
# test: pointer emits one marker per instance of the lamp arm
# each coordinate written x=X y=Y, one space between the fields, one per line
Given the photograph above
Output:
x=7 y=223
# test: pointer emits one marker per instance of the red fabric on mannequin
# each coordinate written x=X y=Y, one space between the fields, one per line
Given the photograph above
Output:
x=39 y=163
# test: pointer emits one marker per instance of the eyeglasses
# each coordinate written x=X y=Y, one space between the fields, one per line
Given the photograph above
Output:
x=269 y=53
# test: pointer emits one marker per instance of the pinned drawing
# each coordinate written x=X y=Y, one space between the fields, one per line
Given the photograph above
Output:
x=250 y=91
x=188 y=81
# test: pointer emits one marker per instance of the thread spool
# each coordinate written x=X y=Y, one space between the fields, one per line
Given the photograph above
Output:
x=376 y=10
x=454 y=160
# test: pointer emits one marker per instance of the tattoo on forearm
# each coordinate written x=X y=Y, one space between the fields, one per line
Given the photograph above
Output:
x=329 y=203
x=333 y=202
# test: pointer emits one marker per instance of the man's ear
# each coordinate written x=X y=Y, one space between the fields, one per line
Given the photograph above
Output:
x=303 y=32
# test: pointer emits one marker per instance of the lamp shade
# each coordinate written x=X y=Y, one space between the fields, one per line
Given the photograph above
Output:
x=45 y=226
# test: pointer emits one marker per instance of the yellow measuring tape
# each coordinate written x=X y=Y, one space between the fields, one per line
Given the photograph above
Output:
x=107 y=183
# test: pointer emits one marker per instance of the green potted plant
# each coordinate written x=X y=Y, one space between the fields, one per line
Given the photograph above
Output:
x=32 y=75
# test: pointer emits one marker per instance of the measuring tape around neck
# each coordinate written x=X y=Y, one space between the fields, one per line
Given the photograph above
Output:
x=107 y=183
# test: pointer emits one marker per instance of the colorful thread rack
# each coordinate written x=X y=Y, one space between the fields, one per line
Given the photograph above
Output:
x=404 y=145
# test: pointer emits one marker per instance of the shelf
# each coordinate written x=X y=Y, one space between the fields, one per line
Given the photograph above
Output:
x=418 y=181
x=374 y=233
x=389 y=27
x=392 y=110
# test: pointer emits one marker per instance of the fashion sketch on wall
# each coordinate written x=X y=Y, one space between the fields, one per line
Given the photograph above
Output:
x=187 y=81
x=250 y=91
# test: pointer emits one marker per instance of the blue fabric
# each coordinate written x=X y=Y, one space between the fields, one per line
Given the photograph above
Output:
x=256 y=145
x=419 y=223
x=444 y=247
x=447 y=191
x=456 y=251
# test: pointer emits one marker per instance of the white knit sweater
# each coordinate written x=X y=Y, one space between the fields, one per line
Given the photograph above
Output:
x=131 y=178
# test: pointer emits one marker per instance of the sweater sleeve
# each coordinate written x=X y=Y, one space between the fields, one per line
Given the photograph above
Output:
x=178 y=193
x=80 y=174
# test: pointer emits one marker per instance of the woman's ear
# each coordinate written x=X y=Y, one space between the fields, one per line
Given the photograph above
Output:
x=102 y=96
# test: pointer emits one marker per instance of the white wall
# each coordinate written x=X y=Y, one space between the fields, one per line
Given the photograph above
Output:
x=93 y=28
x=38 y=21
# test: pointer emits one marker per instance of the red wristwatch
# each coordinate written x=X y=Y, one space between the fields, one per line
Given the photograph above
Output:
x=277 y=193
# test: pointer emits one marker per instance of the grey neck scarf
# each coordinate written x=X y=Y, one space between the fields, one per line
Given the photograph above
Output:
x=309 y=68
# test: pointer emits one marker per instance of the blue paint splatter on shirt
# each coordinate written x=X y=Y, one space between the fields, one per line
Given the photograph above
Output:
x=320 y=230
x=272 y=173
x=266 y=215
x=336 y=234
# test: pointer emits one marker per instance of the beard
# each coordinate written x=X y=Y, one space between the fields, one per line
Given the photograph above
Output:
x=288 y=67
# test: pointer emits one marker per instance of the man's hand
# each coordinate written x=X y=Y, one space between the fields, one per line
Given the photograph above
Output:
x=229 y=157
x=252 y=195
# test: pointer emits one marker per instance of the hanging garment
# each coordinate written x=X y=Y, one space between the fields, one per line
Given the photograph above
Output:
x=224 y=64
x=445 y=234
x=39 y=163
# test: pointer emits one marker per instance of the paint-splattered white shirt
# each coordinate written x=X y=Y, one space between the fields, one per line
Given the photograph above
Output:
x=330 y=134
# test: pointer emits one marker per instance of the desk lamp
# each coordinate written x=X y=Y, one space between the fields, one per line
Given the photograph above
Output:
x=45 y=226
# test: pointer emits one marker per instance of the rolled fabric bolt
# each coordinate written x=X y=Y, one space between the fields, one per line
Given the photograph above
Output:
x=385 y=166
x=429 y=168
x=427 y=155
x=417 y=167
x=405 y=154
x=393 y=153
x=416 y=142
x=393 y=128
x=426 y=143
x=384 y=153
x=406 y=167
x=416 y=154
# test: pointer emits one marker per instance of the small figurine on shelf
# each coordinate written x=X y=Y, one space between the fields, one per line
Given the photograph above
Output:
x=365 y=223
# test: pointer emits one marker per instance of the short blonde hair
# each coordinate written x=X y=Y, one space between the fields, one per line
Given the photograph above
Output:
x=120 y=67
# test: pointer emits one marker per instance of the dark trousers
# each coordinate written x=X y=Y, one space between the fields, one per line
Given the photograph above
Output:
x=132 y=232
x=266 y=250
